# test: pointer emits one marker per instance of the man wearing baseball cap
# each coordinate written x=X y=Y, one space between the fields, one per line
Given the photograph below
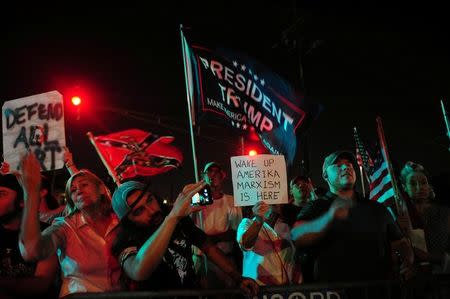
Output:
x=219 y=221
x=154 y=243
x=350 y=237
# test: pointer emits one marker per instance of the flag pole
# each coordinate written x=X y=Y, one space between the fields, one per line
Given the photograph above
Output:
x=242 y=141
x=361 y=171
x=399 y=204
x=187 y=79
x=447 y=124
x=111 y=172
x=187 y=73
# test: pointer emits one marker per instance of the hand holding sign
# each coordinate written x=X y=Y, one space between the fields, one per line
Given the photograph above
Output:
x=4 y=168
x=260 y=209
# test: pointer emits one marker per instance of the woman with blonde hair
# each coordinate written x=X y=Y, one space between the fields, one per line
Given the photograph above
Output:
x=82 y=239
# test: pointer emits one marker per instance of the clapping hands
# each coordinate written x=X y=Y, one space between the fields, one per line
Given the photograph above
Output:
x=340 y=208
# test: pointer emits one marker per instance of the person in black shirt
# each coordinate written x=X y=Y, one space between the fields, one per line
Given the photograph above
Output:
x=20 y=279
x=350 y=237
x=301 y=191
x=154 y=245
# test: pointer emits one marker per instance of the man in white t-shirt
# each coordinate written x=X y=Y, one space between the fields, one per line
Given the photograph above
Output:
x=219 y=221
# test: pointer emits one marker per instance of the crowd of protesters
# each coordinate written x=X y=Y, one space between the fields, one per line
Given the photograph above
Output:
x=130 y=240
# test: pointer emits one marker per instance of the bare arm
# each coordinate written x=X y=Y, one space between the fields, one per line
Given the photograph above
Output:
x=251 y=234
x=140 y=266
x=247 y=285
x=68 y=161
x=221 y=260
x=309 y=232
x=33 y=246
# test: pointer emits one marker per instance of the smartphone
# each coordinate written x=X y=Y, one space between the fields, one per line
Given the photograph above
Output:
x=202 y=197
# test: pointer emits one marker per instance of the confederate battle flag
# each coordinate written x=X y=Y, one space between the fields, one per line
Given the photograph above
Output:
x=132 y=153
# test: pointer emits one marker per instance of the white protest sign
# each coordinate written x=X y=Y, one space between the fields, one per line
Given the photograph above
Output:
x=35 y=123
x=259 y=178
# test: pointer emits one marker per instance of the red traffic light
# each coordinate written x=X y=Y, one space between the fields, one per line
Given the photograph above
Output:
x=76 y=101
x=252 y=152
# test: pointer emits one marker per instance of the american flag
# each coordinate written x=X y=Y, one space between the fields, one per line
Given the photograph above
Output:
x=362 y=156
x=380 y=181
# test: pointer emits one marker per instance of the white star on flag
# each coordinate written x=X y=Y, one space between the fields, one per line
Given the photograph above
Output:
x=263 y=82
x=243 y=67
x=255 y=77
x=235 y=64
x=238 y=125
x=250 y=71
x=244 y=126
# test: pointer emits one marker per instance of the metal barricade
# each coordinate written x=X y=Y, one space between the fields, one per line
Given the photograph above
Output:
x=432 y=287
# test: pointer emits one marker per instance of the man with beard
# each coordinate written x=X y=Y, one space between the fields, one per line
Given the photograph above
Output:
x=19 y=279
x=154 y=245
x=349 y=237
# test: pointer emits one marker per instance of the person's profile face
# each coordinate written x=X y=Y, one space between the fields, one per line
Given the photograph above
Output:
x=7 y=200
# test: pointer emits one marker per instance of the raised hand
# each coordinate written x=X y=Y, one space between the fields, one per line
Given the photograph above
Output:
x=68 y=157
x=340 y=208
x=260 y=209
x=182 y=206
x=68 y=161
x=4 y=168
x=30 y=175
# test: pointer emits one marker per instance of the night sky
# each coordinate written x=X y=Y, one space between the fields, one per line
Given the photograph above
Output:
x=358 y=63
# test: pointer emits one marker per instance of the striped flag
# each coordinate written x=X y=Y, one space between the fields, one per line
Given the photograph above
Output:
x=362 y=156
x=376 y=167
x=381 y=187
